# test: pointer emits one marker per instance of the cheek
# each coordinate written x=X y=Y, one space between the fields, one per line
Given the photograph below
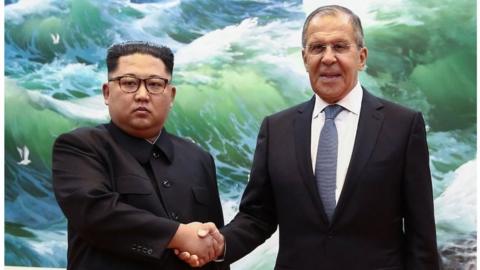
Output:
x=313 y=63
x=162 y=107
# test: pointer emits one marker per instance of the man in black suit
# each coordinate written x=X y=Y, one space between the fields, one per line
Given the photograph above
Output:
x=132 y=192
x=348 y=190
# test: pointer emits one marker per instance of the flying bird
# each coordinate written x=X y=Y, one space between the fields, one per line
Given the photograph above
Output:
x=24 y=153
x=55 y=38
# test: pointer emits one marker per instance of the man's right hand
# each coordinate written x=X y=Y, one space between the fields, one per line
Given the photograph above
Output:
x=206 y=231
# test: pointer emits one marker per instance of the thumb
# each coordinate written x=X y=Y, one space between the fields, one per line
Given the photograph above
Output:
x=202 y=233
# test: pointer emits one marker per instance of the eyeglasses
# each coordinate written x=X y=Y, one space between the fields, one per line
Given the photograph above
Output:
x=320 y=49
x=131 y=84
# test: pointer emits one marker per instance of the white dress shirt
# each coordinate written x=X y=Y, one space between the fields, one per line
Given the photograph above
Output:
x=346 y=123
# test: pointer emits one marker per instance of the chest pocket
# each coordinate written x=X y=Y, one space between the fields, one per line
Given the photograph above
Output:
x=138 y=191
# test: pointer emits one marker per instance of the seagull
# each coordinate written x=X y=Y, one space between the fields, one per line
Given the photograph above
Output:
x=55 y=38
x=24 y=153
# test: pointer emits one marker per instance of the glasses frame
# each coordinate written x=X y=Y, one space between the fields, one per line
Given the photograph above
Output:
x=324 y=47
x=144 y=81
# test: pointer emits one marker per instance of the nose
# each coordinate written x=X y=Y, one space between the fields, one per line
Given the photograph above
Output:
x=142 y=92
x=329 y=56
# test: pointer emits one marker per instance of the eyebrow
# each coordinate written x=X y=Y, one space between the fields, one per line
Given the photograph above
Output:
x=340 y=40
x=148 y=77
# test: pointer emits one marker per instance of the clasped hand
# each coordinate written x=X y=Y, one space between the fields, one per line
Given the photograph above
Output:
x=198 y=243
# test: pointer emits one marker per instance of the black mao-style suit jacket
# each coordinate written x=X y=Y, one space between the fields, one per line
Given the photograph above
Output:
x=384 y=217
x=124 y=198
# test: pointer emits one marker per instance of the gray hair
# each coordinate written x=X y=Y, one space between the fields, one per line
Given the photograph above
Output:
x=335 y=10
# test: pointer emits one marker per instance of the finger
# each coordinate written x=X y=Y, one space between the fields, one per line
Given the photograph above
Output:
x=218 y=243
x=218 y=248
x=206 y=228
x=210 y=226
x=217 y=236
x=184 y=256
x=194 y=261
x=208 y=252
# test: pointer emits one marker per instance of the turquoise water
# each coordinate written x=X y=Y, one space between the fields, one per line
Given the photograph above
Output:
x=236 y=62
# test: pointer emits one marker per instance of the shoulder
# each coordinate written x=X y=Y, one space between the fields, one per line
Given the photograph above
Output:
x=291 y=112
x=85 y=135
x=387 y=107
x=187 y=145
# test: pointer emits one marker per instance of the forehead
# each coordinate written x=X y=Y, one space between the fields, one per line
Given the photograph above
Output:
x=140 y=64
x=335 y=27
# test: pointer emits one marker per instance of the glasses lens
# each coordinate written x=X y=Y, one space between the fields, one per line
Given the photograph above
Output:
x=341 y=47
x=129 y=84
x=155 y=85
x=316 y=48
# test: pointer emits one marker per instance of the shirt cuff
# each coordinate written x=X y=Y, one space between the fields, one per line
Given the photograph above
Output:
x=222 y=258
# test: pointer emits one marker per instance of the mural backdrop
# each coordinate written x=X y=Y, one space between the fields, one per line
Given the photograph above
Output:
x=236 y=62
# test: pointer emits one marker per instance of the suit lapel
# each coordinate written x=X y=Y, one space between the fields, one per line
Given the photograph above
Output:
x=369 y=125
x=302 y=127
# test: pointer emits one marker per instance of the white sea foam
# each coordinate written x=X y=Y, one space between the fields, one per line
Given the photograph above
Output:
x=455 y=208
x=215 y=43
x=49 y=244
x=149 y=8
x=148 y=27
x=90 y=109
x=361 y=8
x=274 y=38
x=366 y=10
x=17 y=11
x=62 y=77
x=271 y=44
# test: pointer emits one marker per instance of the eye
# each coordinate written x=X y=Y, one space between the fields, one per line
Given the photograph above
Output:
x=341 y=47
x=317 y=48
x=156 y=84
x=129 y=82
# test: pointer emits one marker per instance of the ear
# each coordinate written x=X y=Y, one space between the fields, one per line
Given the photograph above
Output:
x=304 y=57
x=363 y=58
x=106 y=93
x=173 y=92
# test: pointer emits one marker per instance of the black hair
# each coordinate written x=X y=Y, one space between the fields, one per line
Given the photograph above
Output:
x=132 y=47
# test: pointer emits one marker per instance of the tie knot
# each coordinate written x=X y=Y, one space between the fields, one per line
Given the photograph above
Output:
x=331 y=111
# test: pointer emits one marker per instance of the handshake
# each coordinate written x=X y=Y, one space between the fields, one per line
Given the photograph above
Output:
x=198 y=243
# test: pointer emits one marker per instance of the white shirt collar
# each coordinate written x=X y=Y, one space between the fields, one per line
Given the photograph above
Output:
x=154 y=140
x=351 y=102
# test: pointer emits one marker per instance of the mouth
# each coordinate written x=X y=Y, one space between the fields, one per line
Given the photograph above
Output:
x=330 y=76
x=141 y=109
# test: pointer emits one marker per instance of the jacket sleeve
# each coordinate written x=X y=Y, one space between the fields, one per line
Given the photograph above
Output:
x=216 y=209
x=256 y=220
x=420 y=233
x=84 y=191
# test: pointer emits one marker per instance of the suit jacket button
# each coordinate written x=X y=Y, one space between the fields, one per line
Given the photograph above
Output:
x=174 y=215
x=156 y=155
x=150 y=251
x=166 y=183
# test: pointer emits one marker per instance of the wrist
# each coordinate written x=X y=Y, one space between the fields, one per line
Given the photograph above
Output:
x=178 y=237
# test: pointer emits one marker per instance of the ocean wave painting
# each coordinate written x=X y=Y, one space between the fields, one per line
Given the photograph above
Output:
x=236 y=61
